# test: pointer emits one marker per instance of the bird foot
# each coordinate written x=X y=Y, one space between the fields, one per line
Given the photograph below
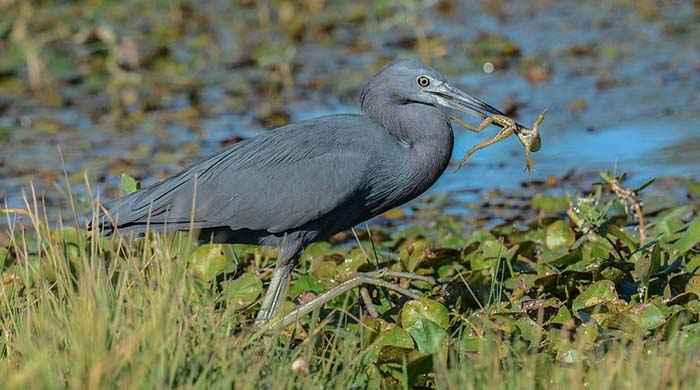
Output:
x=375 y=278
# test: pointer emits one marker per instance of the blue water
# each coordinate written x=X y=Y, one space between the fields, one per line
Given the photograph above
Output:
x=647 y=149
x=630 y=105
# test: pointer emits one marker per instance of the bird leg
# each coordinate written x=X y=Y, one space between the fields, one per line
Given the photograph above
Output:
x=372 y=278
x=279 y=284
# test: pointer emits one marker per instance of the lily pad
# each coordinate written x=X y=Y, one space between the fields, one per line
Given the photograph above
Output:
x=670 y=222
x=562 y=317
x=324 y=270
x=315 y=252
x=352 y=262
x=689 y=238
x=412 y=253
x=693 y=264
x=242 y=291
x=529 y=329
x=424 y=309
x=559 y=236
x=209 y=260
x=471 y=341
x=306 y=283
x=647 y=264
x=428 y=335
x=599 y=292
x=129 y=185
x=395 y=337
x=650 y=317
x=550 y=204
x=693 y=285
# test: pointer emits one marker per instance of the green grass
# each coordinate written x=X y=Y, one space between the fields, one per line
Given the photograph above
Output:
x=565 y=300
x=557 y=297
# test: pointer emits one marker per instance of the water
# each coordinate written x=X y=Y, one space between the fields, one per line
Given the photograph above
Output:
x=627 y=103
x=645 y=149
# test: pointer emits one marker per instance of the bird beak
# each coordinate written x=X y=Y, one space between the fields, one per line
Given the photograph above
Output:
x=454 y=98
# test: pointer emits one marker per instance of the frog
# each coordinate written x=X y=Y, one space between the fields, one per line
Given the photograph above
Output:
x=528 y=137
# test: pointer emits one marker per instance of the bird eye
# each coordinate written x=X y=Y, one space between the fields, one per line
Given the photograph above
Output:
x=423 y=81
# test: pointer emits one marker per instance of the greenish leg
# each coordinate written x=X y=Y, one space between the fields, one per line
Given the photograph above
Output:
x=503 y=134
x=371 y=278
x=277 y=290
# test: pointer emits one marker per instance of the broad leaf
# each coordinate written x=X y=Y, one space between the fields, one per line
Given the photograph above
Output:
x=242 y=291
x=597 y=293
x=428 y=335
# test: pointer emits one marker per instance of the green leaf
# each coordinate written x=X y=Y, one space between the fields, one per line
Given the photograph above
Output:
x=550 y=204
x=4 y=254
x=690 y=337
x=562 y=317
x=559 y=236
x=493 y=249
x=693 y=285
x=693 y=264
x=650 y=317
x=352 y=262
x=471 y=341
x=569 y=259
x=625 y=238
x=599 y=292
x=596 y=250
x=586 y=335
x=647 y=264
x=316 y=252
x=529 y=329
x=412 y=252
x=428 y=335
x=593 y=212
x=209 y=260
x=669 y=222
x=689 y=238
x=390 y=345
x=324 y=270
x=242 y=291
x=395 y=337
x=693 y=307
x=694 y=188
x=424 y=308
x=306 y=283
x=320 y=257
x=129 y=184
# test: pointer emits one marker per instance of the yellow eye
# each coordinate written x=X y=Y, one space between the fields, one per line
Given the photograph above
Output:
x=423 y=81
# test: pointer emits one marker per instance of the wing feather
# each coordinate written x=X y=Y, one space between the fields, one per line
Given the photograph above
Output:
x=276 y=182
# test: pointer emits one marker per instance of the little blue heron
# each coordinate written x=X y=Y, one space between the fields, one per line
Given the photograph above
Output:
x=304 y=182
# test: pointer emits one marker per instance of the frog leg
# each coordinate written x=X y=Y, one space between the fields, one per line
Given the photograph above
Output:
x=484 y=124
x=503 y=134
x=529 y=164
x=531 y=140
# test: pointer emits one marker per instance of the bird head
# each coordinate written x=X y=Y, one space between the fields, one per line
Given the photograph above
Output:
x=412 y=82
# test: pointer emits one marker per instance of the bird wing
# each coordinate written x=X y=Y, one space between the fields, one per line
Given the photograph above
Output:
x=275 y=182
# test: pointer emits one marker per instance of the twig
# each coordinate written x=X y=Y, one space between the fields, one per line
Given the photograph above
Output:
x=630 y=199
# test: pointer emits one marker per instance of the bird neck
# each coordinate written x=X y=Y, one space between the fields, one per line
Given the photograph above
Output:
x=410 y=123
x=426 y=134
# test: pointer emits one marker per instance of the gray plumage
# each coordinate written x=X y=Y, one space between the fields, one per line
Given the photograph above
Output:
x=306 y=181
